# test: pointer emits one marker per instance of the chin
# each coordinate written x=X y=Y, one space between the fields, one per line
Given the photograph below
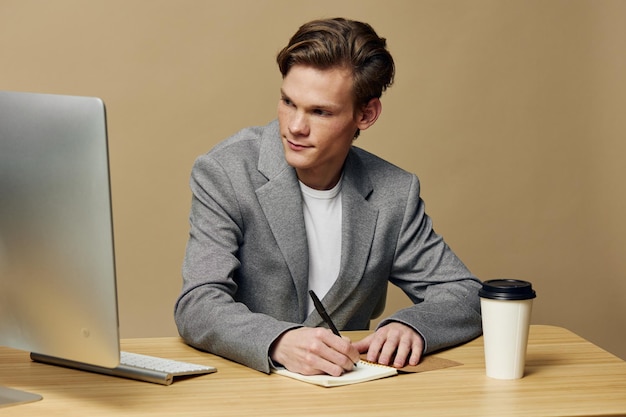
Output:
x=294 y=162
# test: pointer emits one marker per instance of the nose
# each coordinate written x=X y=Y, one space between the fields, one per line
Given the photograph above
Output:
x=298 y=124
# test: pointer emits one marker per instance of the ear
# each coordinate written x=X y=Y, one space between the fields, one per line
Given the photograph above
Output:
x=368 y=115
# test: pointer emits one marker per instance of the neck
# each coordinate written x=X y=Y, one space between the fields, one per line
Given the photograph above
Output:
x=318 y=182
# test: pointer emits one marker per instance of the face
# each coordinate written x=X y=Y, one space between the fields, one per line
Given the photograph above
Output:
x=317 y=122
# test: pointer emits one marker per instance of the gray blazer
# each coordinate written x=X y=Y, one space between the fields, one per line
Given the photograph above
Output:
x=246 y=264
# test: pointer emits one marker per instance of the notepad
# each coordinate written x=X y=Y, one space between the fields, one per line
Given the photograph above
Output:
x=363 y=371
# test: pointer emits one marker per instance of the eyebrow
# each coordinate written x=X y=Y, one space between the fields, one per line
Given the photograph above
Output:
x=327 y=106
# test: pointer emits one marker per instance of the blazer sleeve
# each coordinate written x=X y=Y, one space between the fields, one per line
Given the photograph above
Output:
x=207 y=314
x=446 y=308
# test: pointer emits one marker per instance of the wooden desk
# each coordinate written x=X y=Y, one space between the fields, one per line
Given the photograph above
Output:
x=565 y=376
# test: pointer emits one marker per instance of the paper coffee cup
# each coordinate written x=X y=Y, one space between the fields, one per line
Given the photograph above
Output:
x=506 y=306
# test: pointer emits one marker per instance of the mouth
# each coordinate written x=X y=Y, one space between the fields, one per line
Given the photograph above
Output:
x=294 y=146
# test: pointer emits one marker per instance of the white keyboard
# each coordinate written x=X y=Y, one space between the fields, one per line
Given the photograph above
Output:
x=135 y=366
x=170 y=366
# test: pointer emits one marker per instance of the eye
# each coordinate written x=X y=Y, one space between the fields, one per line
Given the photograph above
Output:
x=321 y=112
x=287 y=102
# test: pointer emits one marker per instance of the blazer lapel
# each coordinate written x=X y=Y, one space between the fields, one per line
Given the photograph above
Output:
x=358 y=226
x=281 y=201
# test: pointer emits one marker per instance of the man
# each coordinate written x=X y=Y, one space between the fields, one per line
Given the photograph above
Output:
x=292 y=206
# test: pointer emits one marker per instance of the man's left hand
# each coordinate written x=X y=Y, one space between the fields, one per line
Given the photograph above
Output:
x=394 y=344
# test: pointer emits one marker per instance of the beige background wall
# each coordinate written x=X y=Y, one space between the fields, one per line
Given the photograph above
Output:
x=511 y=112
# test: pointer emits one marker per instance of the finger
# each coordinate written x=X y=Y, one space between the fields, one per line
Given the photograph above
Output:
x=402 y=352
x=338 y=351
x=322 y=360
x=330 y=368
x=416 y=352
x=391 y=341
x=313 y=364
x=376 y=344
x=353 y=353
x=388 y=352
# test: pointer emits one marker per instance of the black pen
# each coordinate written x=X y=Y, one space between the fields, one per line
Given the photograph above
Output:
x=322 y=312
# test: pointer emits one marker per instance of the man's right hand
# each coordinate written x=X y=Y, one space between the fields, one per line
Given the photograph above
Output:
x=313 y=351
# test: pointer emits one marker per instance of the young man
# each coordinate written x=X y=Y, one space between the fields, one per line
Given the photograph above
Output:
x=292 y=206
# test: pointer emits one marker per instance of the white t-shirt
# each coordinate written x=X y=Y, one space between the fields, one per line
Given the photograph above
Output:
x=322 y=219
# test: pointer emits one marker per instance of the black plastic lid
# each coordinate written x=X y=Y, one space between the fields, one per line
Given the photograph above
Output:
x=507 y=289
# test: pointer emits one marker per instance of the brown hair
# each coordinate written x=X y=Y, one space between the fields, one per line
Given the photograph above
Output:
x=345 y=43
